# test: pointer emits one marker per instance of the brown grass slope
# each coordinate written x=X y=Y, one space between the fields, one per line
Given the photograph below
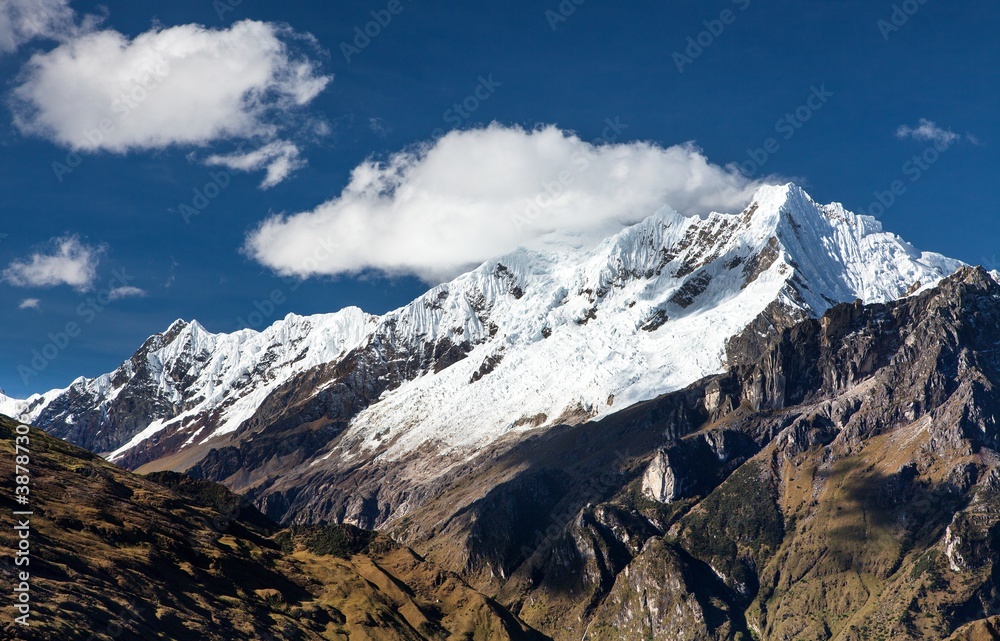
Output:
x=119 y=556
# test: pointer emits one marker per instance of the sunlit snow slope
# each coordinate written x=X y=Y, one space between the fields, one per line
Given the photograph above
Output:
x=551 y=334
x=645 y=312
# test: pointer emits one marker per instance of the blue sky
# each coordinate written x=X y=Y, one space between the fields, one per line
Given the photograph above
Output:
x=118 y=215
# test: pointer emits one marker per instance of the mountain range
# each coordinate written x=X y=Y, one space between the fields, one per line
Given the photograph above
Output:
x=779 y=423
x=552 y=335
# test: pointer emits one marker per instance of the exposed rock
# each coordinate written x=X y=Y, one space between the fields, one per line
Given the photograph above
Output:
x=659 y=481
x=660 y=597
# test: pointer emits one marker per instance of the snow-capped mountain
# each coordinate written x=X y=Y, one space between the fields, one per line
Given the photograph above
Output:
x=189 y=376
x=10 y=406
x=585 y=332
x=557 y=333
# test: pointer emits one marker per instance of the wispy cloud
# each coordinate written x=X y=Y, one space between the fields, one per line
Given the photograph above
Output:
x=929 y=131
x=30 y=303
x=378 y=127
x=280 y=158
x=126 y=291
x=172 y=274
x=24 y=20
x=68 y=262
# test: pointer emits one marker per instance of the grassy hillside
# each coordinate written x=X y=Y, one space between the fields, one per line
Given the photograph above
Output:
x=119 y=556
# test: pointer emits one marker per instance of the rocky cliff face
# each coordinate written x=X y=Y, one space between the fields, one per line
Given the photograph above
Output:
x=841 y=484
x=855 y=495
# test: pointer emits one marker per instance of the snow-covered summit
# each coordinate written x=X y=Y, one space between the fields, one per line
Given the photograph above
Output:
x=647 y=311
x=556 y=333
x=840 y=254
x=188 y=376
x=10 y=406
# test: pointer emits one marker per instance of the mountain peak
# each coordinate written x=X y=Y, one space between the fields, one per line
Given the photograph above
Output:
x=779 y=193
x=177 y=325
x=781 y=199
x=554 y=334
x=976 y=276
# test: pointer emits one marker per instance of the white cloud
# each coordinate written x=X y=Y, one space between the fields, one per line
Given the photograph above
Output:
x=185 y=85
x=442 y=207
x=928 y=131
x=24 y=20
x=70 y=262
x=125 y=291
x=280 y=157
x=30 y=303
